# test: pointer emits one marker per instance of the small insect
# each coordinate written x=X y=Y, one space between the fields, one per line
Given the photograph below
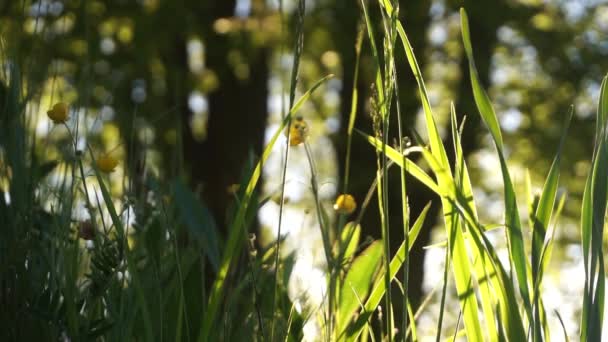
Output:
x=298 y=132
x=345 y=204
x=59 y=113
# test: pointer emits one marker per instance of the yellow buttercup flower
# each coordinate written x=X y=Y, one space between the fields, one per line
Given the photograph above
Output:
x=59 y=113
x=298 y=132
x=345 y=204
x=106 y=163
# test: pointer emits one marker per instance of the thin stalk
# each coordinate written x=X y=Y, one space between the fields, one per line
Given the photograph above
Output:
x=325 y=237
x=446 y=267
x=294 y=80
x=404 y=201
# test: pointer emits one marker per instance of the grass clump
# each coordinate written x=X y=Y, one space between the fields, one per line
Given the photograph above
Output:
x=167 y=274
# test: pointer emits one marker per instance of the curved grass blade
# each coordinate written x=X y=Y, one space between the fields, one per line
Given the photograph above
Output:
x=517 y=253
x=354 y=329
x=592 y=228
x=457 y=247
x=398 y=159
x=463 y=186
x=542 y=218
x=509 y=314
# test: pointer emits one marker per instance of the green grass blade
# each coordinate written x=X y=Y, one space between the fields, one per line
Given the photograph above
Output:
x=458 y=252
x=509 y=314
x=481 y=97
x=398 y=159
x=463 y=185
x=542 y=218
x=351 y=234
x=515 y=241
x=437 y=147
x=592 y=222
x=357 y=283
x=354 y=329
x=602 y=110
x=593 y=212
x=231 y=249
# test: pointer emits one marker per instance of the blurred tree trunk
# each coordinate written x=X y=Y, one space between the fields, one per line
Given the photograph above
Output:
x=237 y=109
x=237 y=114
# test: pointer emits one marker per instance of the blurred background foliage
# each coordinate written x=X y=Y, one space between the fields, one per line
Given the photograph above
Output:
x=191 y=87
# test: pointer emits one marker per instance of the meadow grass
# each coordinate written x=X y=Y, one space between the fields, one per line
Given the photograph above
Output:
x=141 y=281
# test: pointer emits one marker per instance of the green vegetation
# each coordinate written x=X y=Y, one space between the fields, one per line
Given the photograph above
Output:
x=154 y=262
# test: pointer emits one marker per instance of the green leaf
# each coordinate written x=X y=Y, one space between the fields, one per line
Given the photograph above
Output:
x=357 y=283
x=355 y=328
x=199 y=221
x=350 y=236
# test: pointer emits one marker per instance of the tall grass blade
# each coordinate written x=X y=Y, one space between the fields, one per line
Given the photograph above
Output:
x=464 y=187
x=458 y=253
x=517 y=253
x=354 y=330
x=542 y=218
x=593 y=214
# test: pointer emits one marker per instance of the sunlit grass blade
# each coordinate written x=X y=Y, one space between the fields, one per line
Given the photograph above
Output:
x=593 y=214
x=350 y=237
x=505 y=294
x=541 y=220
x=458 y=253
x=398 y=159
x=515 y=241
x=357 y=283
x=231 y=250
x=464 y=187
x=355 y=328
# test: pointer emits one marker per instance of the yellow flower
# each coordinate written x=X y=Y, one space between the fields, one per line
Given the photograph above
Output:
x=298 y=132
x=59 y=112
x=345 y=204
x=107 y=163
